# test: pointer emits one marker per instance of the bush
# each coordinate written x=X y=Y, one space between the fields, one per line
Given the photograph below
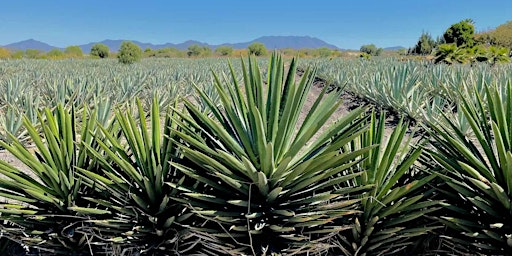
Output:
x=5 y=53
x=257 y=49
x=100 y=50
x=129 y=53
x=365 y=56
x=166 y=53
x=55 y=54
x=371 y=49
x=461 y=34
x=74 y=51
x=224 y=50
x=32 y=53
x=323 y=52
x=196 y=51
x=17 y=54
x=425 y=45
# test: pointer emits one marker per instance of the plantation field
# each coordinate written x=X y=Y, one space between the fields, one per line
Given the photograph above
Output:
x=261 y=157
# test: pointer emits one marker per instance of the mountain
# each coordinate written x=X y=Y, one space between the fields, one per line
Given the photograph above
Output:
x=30 y=44
x=394 y=48
x=271 y=42
x=280 y=42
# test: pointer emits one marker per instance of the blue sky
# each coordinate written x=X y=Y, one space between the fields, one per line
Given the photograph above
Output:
x=346 y=24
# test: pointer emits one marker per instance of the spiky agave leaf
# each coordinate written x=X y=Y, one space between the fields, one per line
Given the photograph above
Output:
x=393 y=210
x=264 y=184
x=135 y=181
x=44 y=208
x=477 y=172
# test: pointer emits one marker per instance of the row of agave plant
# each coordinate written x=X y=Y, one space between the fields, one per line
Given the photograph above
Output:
x=418 y=91
x=28 y=85
x=247 y=175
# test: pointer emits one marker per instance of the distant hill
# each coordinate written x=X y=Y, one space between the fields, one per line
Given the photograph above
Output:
x=394 y=48
x=30 y=44
x=114 y=45
x=271 y=42
x=280 y=42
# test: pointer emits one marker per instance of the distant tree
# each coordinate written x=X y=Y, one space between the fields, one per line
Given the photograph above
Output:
x=167 y=53
x=129 y=53
x=425 y=45
x=32 y=53
x=502 y=35
x=461 y=34
x=257 y=49
x=147 y=50
x=100 y=50
x=74 y=51
x=371 y=49
x=194 y=50
x=485 y=38
x=323 y=52
x=18 y=54
x=5 y=53
x=224 y=50
x=55 y=53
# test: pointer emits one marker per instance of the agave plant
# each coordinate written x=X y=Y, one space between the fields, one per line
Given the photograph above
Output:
x=135 y=183
x=477 y=173
x=11 y=118
x=394 y=209
x=264 y=183
x=44 y=207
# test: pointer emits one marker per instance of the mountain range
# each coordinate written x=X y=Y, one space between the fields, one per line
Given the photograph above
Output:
x=270 y=42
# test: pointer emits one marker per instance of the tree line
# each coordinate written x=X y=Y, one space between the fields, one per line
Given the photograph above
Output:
x=461 y=44
x=130 y=52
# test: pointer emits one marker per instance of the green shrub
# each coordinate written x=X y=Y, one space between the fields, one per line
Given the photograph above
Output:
x=371 y=49
x=55 y=53
x=129 y=53
x=257 y=49
x=100 y=50
x=197 y=51
x=461 y=34
x=74 y=51
x=224 y=50
x=32 y=53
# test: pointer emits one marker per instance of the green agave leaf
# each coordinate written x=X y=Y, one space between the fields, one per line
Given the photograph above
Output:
x=88 y=211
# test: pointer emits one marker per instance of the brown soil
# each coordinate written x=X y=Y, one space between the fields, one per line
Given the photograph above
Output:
x=10 y=159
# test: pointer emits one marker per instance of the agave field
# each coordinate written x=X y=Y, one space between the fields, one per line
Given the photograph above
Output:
x=218 y=157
